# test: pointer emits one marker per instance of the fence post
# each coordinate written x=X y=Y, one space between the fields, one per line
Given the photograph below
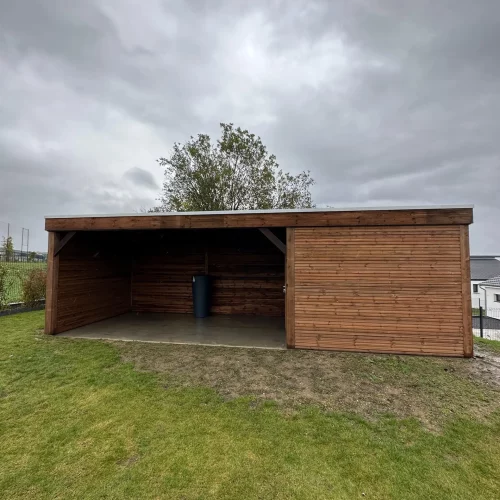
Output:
x=481 y=321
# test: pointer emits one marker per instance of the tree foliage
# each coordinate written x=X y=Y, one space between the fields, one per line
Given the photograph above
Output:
x=235 y=173
x=8 y=248
x=33 y=287
x=5 y=282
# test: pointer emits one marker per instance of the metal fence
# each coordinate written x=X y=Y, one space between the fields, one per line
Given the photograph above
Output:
x=18 y=272
x=486 y=323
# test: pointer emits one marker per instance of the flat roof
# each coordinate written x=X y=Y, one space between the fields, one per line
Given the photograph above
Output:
x=273 y=211
x=314 y=217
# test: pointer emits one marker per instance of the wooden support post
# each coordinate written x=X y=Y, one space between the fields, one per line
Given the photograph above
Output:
x=62 y=243
x=52 y=284
x=273 y=239
x=466 y=294
x=290 y=288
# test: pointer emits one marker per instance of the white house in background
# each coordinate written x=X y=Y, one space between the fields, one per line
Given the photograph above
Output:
x=482 y=268
x=491 y=314
x=491 y=290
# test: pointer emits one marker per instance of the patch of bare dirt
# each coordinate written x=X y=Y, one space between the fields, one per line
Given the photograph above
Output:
x=488 y=366
x=430 y=389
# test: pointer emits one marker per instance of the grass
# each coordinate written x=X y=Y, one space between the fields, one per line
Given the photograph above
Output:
x=491 y=345
x=78 y=422
x=16 y=271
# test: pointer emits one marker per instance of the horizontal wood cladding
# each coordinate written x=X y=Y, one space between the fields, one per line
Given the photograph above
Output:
x=409 y=217
x=52 y=284
x=390 y=289
x=247 y=271
x=93 y=280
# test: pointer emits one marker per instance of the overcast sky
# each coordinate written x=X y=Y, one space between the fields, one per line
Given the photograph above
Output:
x=386 y=102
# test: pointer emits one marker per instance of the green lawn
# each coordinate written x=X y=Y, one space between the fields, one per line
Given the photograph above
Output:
x=78 y=422
x=15 y=273
x=492 y=345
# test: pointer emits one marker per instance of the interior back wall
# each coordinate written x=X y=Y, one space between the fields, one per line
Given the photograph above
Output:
x=247 y=270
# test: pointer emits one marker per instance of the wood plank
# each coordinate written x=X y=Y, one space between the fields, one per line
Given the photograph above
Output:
x=51 y=295
x=403 y=217
x=273 y=239
x=349 y=273
x=62 y=243
x=356 y=230
x=290 y=288
x=371 y=341
x=363 y=326
x=466 y=292
x=377 y=266
x=335 y=335
x=435 y=316
x=424 y=347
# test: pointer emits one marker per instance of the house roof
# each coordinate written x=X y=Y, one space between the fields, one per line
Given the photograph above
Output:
x=484 y=267
x=495 y=281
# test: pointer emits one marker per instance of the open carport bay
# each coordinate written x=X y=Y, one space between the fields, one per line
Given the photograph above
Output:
x=136 y=285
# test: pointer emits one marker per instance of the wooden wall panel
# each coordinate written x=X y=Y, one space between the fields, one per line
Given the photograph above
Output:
x=162 y=282
x=94 y=280
x=393 y=289
x=247 y=269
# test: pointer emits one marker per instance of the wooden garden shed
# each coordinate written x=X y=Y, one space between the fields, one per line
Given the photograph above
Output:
x=393 y=280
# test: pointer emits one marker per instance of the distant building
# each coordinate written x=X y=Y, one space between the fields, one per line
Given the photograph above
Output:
x=483 y=268
x=491 y=290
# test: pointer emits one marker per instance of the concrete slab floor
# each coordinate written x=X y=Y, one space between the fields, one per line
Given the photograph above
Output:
x=241 y=331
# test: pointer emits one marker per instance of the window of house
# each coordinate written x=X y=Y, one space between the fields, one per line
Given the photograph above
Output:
x=496 y=297
x=475 y=288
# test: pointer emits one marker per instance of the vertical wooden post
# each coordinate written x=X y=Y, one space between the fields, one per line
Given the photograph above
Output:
x=466 y=293
x=52 y=284
x=290 y=288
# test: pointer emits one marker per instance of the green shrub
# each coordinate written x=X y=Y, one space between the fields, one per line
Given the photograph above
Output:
x=33 y=286
x=3 y=286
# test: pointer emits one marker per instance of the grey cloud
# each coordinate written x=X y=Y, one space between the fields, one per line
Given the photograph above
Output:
x=385 y=102
x=142 y=178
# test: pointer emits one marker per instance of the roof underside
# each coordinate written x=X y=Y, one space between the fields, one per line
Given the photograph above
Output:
x=391 y=216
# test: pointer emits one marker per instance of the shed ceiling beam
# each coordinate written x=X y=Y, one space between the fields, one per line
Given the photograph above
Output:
x=273 y=238
x=62 y=243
